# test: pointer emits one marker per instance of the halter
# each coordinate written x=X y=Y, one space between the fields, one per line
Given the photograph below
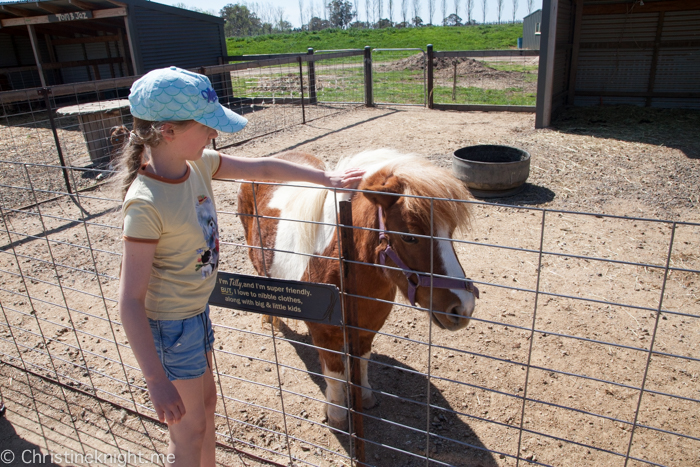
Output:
x=417 y=279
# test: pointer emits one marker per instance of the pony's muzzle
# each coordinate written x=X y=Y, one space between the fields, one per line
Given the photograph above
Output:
x=456 y=315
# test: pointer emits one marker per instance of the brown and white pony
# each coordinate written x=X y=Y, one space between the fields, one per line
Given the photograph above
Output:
x=402 y=246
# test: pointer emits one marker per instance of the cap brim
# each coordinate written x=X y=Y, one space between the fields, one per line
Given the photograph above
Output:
x=223 y=119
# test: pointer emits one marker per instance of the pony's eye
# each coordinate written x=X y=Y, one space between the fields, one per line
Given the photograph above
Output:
x=409 y=239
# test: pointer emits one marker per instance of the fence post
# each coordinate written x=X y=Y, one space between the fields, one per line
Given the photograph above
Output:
x=369 y=92
x=301 y=83
x=430 y=76
x=311 y=71
x=45 y=92
x=352 y=333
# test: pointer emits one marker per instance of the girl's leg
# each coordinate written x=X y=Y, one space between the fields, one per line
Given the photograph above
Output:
x=190 y=437
x=209 y=445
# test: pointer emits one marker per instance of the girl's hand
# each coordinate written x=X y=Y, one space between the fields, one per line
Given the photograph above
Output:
x=166 y=400
x=349 y=178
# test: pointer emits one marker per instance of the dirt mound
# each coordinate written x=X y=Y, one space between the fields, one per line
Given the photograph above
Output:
x=464 y=65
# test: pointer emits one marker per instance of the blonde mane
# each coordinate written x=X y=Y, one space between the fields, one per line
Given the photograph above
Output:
x=316 y=210
x=423 y=179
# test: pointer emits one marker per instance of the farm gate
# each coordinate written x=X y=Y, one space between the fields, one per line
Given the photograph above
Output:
x=580 y=352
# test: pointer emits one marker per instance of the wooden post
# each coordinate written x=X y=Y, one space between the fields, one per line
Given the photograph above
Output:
x=352 y=334
x=369 y=91
x=545 y=77
x=37 y=55
x=575 y=46
x=301 y=84
x=311 y=71
x=655 y=57
x=430 y=76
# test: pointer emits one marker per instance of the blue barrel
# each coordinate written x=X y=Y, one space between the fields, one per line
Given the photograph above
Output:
x=520 y=42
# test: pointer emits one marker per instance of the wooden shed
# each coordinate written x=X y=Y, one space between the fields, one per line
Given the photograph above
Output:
x=603 y=52
x=44 y=43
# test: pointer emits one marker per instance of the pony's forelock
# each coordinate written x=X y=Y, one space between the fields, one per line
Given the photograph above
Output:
x=421 y=180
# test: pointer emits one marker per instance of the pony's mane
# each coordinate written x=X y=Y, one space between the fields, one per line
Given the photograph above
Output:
x=423 y=179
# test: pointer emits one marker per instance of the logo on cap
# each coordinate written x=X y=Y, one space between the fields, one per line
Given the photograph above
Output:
x=210 y=95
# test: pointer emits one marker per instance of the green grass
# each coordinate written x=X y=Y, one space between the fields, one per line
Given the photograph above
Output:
x=501 y=36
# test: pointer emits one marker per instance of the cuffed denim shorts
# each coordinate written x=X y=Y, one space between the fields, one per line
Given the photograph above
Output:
x=182 y=345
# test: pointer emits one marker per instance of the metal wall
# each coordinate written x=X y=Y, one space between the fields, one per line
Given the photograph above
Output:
x=168 y=36
x=627 y=68
x=530 y=39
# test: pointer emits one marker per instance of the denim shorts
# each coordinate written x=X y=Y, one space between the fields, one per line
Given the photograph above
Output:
x=182 y=345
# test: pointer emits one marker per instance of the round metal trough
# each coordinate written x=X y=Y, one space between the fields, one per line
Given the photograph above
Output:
x=492 y=171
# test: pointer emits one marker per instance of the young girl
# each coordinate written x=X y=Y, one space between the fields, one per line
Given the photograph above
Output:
x=171 y=245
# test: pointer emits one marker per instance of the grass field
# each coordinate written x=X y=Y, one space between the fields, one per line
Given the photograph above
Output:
x=341 y=80
x=496 y=36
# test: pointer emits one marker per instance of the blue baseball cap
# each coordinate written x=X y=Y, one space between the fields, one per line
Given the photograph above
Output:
x=174 y=94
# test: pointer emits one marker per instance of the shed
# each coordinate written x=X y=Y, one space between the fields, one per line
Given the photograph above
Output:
x=50 y=42
x=532 y=30
x=602 y=52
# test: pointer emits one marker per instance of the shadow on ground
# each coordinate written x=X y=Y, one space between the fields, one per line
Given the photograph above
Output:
x=16 y=450
x=395 y=430
x=674 y=128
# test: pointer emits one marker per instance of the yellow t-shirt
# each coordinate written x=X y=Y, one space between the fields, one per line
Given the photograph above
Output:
x=179 y=215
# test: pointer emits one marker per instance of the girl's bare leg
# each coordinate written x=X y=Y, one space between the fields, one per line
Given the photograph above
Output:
x=209 y=445
x=192 y=441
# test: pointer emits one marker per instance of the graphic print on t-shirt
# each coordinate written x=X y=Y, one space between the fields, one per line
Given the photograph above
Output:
x=206 y=216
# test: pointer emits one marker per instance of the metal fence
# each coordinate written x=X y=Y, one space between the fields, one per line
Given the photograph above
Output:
x=580 y=352
x=582 y=349
x=500 y=80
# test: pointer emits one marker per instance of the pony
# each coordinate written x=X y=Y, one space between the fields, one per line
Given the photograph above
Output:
x=393 y=243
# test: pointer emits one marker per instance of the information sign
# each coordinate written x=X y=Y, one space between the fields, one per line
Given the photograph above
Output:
x=277 y=297
x=72 y=16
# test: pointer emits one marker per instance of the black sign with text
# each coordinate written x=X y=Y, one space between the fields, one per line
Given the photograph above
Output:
x=278 y=297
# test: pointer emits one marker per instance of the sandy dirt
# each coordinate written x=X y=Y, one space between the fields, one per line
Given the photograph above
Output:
x=600 y=283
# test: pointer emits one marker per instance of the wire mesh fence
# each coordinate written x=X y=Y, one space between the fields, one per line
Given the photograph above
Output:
x=580 y=351
x=506 y=78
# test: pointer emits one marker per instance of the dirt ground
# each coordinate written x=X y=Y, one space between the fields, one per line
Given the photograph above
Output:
x=636 y=171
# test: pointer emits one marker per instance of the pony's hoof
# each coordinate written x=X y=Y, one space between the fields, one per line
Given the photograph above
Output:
x=340 y=424
x=370 y=402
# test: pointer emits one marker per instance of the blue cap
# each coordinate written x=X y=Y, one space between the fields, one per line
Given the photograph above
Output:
x=174 y=94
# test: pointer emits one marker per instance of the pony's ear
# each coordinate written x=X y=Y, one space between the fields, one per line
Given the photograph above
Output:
x=382 y=183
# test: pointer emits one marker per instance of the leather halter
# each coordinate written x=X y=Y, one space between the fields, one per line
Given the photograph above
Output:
x=417 y=279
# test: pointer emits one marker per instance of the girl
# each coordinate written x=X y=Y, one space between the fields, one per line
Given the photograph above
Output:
x=171 y=245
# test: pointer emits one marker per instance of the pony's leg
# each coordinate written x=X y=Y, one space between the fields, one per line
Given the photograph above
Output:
x=368 y=398
x=335 y=390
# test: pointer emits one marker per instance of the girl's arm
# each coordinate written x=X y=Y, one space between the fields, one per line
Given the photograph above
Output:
x=279 y=170
x=135 y=274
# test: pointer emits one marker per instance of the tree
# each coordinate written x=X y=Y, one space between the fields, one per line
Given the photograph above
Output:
x=499 y=9
x=416 y=10
x=457 y=2
x=301 y=13
x=404 y=12
x=529 y=6
x=483 y=5
x=384 y=23
x=318 y=24
x=417 y=21
x=453 y=20
x=515 y=9
x=240 y=21
x=184 y=6
x=391 y=11
x=431 y=11
x=341 y=13
x=368 y=8
x=470 y=9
